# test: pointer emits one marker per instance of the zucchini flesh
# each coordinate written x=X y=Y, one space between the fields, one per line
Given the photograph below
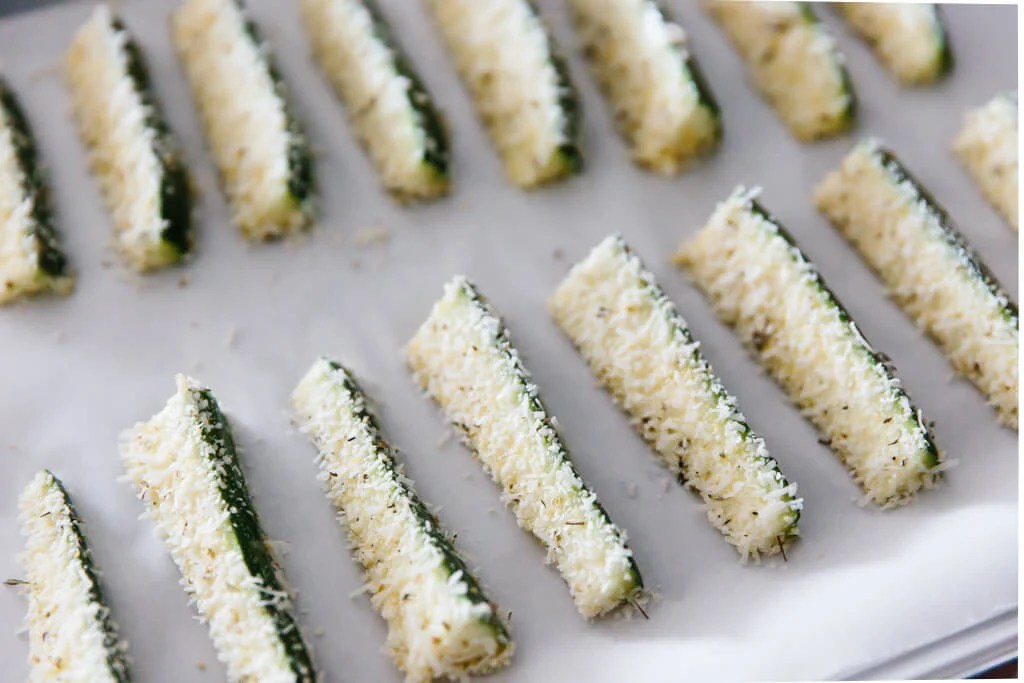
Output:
x=928 y=268
x=31 y=257
x=793 y=61
x=132 y=152
x=440 y=622
x=641 y=350
x=643 y=63
x=908 y=38
x=462 y=356
x=185 y=468
x=258 y=144
x=987 y=147
x=388 y=107
x=760 y=283
x=72 y=636
x=519 y=83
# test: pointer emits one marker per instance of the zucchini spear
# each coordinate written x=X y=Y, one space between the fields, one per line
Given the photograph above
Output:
x=794 y=62
x=987 y=147
x=463 y=358
x=440 y=623
x=266 y=166
x=907 y=37
x=389 y=109
x=520 y=85
x=928 y=267
x=186 y=470
x=640 y=349
x=761 y=284
x=643 y=62
x=132 y=152
x=31 y=257
x=72 y=637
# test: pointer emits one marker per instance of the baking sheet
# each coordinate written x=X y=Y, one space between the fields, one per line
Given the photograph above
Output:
x=863 y=591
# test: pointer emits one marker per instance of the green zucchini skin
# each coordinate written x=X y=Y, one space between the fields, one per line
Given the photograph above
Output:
x=175 y=193
x=52 y=260
x=215 y=431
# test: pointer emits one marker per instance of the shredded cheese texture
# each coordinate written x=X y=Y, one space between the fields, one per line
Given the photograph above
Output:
x=248 y=127
x=645 y=68
x=987 y=147
x=793 y=61
x=907 y=37
x=21 y=270
x=522 y=92
x=72 y=638
x=183 y=468
x=761 y=284
x=463 y=358
x=439 y=621
x=928 y=268
x=640 y=349
x=113 y=122
x=387 y=107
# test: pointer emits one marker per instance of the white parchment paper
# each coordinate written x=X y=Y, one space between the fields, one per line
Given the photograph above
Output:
x=861 y=587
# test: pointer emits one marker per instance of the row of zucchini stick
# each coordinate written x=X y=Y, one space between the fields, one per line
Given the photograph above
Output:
x=185 y=467
x=507 y=61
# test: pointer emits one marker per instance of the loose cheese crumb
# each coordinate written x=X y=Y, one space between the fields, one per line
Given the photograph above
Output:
x=30 y=258
x=641 y=350
x=261 y=154
x=126 y=152
x=387 y=106
x=987 y=147
x=760 y=283
x=183 y=465
x=793 y=61
x=520 y=87
x=907 y=37
x=644 y=65
x=463 y=358
x=439 y=621
x=72 y=637
x=928 y=268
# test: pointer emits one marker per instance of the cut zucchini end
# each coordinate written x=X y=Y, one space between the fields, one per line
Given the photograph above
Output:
x=16 y=286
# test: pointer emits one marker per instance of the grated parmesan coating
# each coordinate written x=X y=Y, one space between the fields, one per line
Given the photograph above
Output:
x=185 y=469
x=31 y=258
x=928 y=268
x=987 y=147
x=260 y=150
x=388 y=107
x=72 y=637
x=793 y=61
x=640 y=349
x=520 y=86
x=761 y=284
x=131 y=153
x=440 y=623
x=642 y=60
x=463 y=358
x=908 y=38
